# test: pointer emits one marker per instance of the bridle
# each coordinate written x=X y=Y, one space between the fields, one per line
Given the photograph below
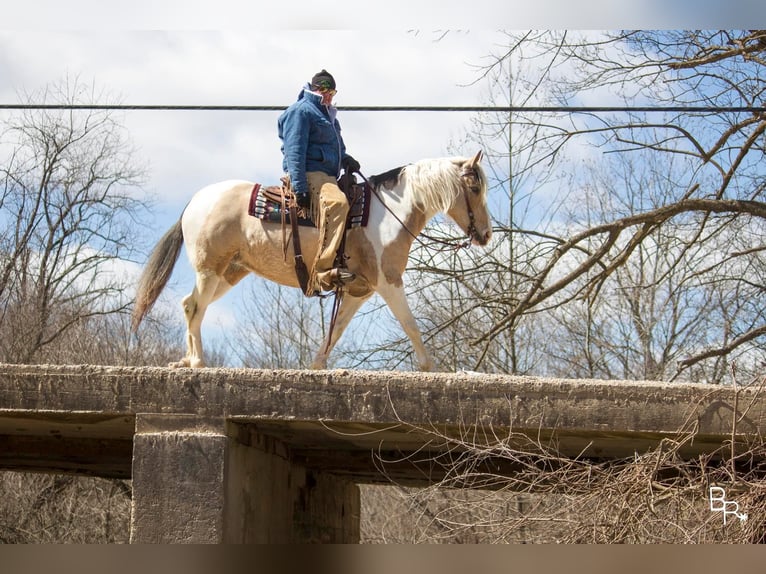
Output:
x=470 y=179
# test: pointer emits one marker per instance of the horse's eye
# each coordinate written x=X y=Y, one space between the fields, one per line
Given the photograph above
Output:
x=471 y=180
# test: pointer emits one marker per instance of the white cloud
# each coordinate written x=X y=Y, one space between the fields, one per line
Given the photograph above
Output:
x=189 y=149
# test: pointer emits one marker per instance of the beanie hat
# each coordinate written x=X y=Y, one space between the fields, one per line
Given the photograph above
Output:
x=323 y=80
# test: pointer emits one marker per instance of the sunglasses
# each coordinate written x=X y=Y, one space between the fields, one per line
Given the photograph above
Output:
x=326 y=88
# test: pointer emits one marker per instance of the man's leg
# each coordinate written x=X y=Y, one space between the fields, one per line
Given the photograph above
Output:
x=332 y=209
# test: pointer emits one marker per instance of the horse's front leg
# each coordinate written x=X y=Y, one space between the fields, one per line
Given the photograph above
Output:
x=397 y=301
x=348 y=308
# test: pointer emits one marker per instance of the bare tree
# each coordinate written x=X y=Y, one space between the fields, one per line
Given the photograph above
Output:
x=281 y=329
x=68 y=198
x=656 y=305
x=640 y=268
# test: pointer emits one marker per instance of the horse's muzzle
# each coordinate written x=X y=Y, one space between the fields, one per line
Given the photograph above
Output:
x=479 y=238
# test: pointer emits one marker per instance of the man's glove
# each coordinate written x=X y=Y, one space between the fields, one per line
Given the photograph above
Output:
x=350 y=164
x=303 y=200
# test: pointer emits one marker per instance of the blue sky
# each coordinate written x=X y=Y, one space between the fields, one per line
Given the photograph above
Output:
x=187 y=150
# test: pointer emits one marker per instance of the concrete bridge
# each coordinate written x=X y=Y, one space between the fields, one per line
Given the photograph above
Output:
x=240 y=455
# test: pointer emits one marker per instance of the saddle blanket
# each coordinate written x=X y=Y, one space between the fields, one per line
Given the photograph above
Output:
x=262 y=207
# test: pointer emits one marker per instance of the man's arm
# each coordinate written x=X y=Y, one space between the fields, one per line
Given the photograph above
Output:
x=296 y=140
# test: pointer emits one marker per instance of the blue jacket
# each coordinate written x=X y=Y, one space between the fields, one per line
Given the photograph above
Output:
x=311 y=139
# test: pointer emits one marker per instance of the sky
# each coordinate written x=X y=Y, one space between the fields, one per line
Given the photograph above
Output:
x=187 y=149
x=391 y=14
x=252 y=53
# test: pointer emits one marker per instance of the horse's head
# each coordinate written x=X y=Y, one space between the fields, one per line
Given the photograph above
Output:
x=469 y=210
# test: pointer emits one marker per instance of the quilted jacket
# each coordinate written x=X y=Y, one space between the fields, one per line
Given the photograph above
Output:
x=311 y=139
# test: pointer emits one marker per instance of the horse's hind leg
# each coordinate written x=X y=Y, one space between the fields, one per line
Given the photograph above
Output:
x=348 y=308
x=189 y=305
x=206 y=290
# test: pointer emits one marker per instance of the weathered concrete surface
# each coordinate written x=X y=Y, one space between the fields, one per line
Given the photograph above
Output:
x=274 y=498
x=197 y=479
x=235 y=455
x=85 y=416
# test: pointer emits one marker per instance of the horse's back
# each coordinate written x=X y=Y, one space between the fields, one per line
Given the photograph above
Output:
x=206 y=198
x=214 y=199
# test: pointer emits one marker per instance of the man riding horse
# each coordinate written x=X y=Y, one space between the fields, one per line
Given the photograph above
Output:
x=225 y=243
x=313 y=155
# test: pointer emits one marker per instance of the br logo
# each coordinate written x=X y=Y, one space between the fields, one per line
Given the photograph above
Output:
x=718 y=503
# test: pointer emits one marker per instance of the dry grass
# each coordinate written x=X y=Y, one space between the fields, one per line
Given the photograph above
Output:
x=48 y=509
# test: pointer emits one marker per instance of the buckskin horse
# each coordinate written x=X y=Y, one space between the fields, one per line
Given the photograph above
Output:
x=225 y=243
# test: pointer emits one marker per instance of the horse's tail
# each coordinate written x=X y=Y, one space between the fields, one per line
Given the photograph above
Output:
x=157 y=273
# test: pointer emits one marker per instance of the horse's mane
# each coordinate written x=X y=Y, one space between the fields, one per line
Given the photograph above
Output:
x=434 y=183
x=388 y=179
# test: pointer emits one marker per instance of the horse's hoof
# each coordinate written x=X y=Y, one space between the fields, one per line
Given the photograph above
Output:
x=183 y=363
x=427 y=367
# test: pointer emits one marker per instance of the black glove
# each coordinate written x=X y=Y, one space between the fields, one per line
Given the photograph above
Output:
x=303 y=200
x=350 y=164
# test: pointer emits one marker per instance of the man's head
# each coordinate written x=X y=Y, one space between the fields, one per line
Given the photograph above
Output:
x=323 y=83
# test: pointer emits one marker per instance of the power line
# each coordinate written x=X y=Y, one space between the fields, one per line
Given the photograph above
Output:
x=486 y=109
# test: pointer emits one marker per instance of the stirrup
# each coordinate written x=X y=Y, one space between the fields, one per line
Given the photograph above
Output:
x=340 y=276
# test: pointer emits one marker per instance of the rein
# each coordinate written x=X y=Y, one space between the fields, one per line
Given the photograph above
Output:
x=287 y=199
x=465 y=173
x=300 y=267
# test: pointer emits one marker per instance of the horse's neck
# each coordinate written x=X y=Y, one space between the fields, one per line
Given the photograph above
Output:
x=402 y=209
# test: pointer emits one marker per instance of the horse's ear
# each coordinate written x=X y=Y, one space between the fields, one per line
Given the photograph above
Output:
x=477 y=158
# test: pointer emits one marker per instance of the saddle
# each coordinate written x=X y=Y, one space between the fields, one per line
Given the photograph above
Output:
x=277 y=204
x=271 y=203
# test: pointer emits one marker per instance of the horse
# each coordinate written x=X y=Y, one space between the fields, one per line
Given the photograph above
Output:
x=225 y=243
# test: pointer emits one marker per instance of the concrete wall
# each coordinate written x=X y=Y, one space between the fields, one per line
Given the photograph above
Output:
x=195 y=482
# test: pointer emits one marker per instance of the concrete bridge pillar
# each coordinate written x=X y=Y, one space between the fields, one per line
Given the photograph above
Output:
x=205 y=480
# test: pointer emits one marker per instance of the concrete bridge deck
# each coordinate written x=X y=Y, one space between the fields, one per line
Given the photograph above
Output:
x=242 y=455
